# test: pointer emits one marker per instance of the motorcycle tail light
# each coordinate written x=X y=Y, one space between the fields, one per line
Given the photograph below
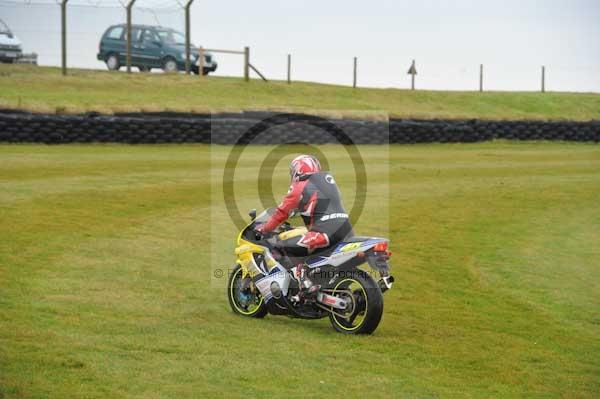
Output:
x=381 y=247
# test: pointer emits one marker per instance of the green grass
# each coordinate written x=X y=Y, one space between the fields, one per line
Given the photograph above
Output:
x=106 y=288
x=43 y=89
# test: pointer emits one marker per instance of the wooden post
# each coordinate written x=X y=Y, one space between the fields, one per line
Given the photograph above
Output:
x=247 y=63
x=289 y=68
x=187 y=36
x=543 y=79
x=129 y=7
x=481 y=78
x=63 y=21
x=201 y=62
x=354 y=80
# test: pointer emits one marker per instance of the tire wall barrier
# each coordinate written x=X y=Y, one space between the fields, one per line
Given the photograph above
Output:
x=21 y=127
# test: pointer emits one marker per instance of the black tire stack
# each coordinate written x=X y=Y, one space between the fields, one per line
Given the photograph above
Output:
x=156 y=128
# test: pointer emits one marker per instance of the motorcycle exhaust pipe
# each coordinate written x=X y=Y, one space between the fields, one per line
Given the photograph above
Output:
x=386 y=283
x=276 y=290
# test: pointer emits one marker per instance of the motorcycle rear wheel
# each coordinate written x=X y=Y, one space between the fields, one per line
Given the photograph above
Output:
x=258 y=310
x=367 y=305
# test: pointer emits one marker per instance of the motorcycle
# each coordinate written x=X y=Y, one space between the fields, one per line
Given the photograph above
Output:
x=262 y=282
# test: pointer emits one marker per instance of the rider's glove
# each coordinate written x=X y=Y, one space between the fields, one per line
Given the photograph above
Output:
x=260 y=228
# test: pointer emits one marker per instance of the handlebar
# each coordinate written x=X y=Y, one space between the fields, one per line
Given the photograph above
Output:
x=285 y=226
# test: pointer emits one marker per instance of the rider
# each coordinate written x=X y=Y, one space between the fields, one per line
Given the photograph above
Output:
x=315 y=195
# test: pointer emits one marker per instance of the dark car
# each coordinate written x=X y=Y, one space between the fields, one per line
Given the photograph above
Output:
x=151 y=47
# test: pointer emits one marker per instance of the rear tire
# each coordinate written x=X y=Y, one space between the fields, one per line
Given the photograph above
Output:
x=112 y=62
x=367 y=297
x=258 y=312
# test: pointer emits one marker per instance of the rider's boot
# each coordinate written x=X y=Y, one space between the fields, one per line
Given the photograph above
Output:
x=307 y=287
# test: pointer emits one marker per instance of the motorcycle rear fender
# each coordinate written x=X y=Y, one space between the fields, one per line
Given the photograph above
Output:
x=379 y=263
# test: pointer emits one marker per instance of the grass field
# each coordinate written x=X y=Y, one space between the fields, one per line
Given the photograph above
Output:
x=43 y=89
x=105 y=286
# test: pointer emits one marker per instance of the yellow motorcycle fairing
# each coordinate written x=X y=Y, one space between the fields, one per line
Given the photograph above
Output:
x=298 y=231
x=245 y=258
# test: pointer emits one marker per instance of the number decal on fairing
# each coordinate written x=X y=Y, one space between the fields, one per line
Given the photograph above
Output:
x=350 y=247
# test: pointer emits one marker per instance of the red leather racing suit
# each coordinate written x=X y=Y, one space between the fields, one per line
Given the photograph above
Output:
x=317 y=198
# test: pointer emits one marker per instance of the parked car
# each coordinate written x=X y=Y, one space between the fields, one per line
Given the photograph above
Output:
x=11 y=50
x=10 y=45
x=151 y=47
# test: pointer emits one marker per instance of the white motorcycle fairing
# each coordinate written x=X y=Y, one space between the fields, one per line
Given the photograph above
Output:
x=344 y=252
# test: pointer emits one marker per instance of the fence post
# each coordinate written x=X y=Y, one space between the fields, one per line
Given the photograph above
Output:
x=129 y=7
x=354 y=80
x=187 y=36
x=63 y=21
x=543 y=79
x=289 y=68
x=246 y=63
x=481 y=77
x=201 y=62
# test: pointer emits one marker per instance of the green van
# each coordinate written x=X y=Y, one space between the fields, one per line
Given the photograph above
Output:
x=151 y=47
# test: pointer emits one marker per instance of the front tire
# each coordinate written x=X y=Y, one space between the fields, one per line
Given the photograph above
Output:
x=367 y=304
x=170 y=65
x=246 y=303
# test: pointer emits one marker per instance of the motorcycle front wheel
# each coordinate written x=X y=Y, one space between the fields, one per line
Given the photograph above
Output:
x=244 y=299
x=366 y=305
